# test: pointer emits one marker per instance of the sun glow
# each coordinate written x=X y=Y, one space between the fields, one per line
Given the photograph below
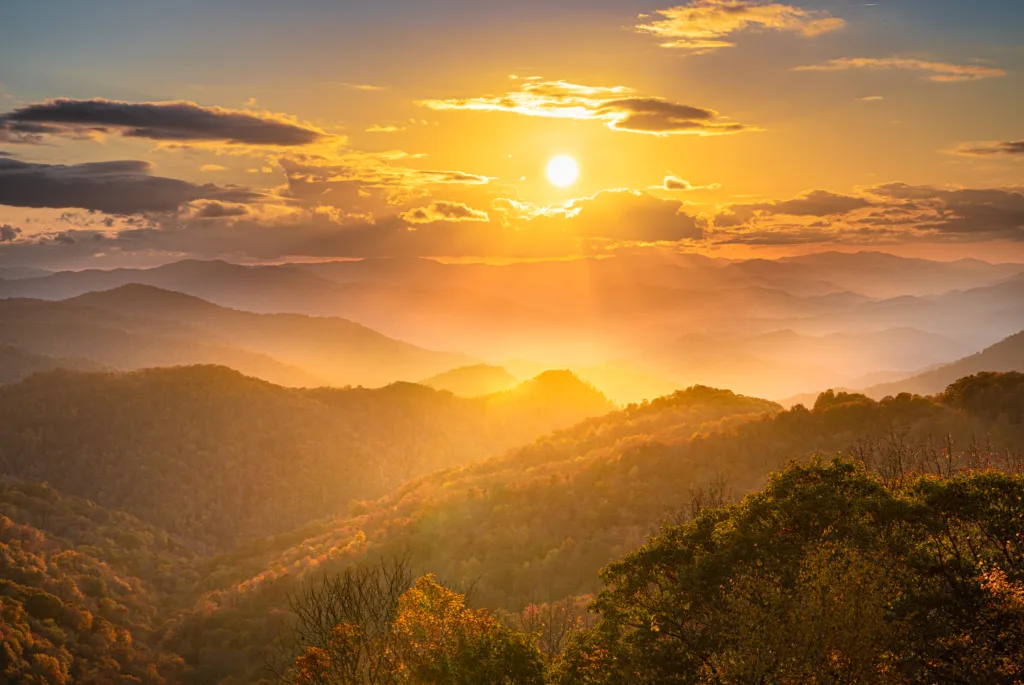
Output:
x=563 y=171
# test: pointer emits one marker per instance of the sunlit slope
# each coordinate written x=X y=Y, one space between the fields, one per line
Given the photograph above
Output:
x=538 y=523
x=218 y=457
x=1006 y=355
x=472 y=381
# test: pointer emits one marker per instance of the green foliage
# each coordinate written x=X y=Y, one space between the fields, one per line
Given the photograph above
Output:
x=825 y=576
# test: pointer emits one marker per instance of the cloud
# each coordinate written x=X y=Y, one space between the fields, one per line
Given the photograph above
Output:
x=163 y=121
x=618 y=106
x=620 y=216
x=219 y=210
x=940 y=72
x=872 y=98
x=814 y=203
x=675 y=183
x=377 y=128
x=1011 y=148
x=444 y=211
x=963 y=214
x=363 y=86
x=702 y=25
x=120 y=187
x=884 y=214
x=8 y=233
x=213 y=168
x=818 y=203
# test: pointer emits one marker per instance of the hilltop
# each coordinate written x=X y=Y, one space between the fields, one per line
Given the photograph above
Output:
x=472 y=381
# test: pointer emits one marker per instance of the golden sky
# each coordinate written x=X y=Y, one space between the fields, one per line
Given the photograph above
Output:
x=139 y=133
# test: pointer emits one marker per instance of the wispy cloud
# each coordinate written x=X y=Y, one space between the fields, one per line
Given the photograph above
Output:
x=672 y=182
x=363 y=87
x=1009 y=148
x=179 y=121
x=377 y=128
x=940 y=72
x=621 y=108
x=702 y=26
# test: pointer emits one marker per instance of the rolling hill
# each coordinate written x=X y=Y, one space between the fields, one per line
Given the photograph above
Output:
x=536 y=524
x=16 y=364
x=217 y=457
x=137 y=326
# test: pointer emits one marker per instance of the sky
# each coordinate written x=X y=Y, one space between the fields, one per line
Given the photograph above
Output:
x=135 y=132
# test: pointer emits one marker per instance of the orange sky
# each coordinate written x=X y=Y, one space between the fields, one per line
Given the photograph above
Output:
x=729 y=127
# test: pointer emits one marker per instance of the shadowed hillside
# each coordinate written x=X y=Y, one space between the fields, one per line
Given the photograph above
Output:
x=218 y=457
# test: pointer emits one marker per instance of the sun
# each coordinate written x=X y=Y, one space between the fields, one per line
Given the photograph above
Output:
x=563 y=171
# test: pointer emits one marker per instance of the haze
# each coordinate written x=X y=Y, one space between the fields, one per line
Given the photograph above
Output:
x=577 y=341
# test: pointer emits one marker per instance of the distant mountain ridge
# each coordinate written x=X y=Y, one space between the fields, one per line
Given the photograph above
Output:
x=16 y=364
x=472 y=381
x=137 y=326
x=1006 y=355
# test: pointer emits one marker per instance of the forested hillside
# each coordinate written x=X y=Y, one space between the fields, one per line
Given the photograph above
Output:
x=219 y=458
x=85 y=591
x=537 y=524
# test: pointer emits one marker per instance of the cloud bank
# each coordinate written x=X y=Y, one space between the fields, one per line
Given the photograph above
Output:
x=120 y=187
x=162 y=121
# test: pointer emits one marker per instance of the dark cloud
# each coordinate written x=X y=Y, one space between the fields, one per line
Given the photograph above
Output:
x=444 y=211
x=815 y=203
x=8 y=233
x=898 y=212
x=219 y=210
x=1011 y=148
x=654 y=115
x=163 y=121
x=963 y=214
x=819 y=203
x=121 y=187
x=676 y=183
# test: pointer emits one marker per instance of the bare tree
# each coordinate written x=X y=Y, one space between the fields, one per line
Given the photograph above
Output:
x=714 y=493
x=348 y=618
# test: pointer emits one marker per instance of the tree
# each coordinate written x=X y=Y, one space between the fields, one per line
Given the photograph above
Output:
x=374 y=626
